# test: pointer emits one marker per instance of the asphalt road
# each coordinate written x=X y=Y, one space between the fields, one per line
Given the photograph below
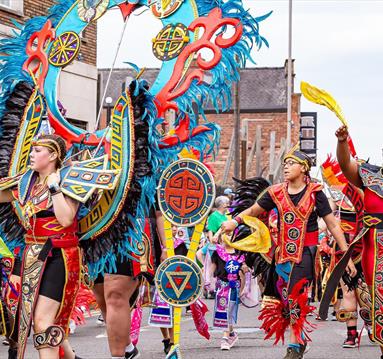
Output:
x=90 y=341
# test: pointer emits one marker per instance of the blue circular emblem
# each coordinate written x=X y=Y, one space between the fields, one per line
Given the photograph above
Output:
x=186 y=192
x=232 y=266
x=178 y=281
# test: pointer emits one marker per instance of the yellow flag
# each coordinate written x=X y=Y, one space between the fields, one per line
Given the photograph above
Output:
x=321 y=97
x=4 y=251
x=258 y=242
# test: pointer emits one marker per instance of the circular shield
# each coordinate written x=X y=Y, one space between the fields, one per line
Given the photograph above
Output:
x=164 y=8
x=179 y=281
x=64 y=49
x=170 y=41
x=186 y=192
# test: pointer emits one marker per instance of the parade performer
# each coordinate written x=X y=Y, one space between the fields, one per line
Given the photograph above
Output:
x=354 y=290
x=246 y=193
x=369 y=178
x=204 y=254
x=51 y=259
x=299 y=202
x=227 y=268
x=111 y=224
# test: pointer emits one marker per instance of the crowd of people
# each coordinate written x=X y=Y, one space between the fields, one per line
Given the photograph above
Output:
x=308 y=234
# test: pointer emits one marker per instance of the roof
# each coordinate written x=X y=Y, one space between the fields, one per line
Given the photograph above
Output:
x=261 y=89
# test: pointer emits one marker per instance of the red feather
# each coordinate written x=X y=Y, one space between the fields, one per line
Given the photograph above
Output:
x=275 y=319
x=299 y=309
x=84 y=301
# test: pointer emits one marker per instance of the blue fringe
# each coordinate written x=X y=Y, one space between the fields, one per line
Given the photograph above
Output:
x=13 y=49
x=223 y=75
x=158 y=160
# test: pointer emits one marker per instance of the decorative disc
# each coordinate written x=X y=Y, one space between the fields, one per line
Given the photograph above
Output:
x=90 y=10
x=179 y=281
x=64 y=49
x=170 y=41
x=164 y=8
x=186 y=192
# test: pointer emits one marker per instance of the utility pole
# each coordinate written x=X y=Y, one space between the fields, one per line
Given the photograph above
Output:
x=237 y=130
x=289 y=79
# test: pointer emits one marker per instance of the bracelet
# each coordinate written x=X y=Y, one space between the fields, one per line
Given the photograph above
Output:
x=54 y=190
x=235 y=222
x=238 y=219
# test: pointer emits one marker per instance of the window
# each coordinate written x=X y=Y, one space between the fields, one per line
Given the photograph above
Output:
x=13 y=5
x=6 y=3
x=307 y=121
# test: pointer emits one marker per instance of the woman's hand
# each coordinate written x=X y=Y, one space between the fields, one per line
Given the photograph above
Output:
x=342 y=133
x=350 y=269
x=164 y=254
x=228 y=226
x=53 y=178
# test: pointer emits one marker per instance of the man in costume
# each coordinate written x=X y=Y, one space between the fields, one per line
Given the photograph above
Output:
x=50 y=273
x=348 y=208
x=299 y=203
x=370 y=179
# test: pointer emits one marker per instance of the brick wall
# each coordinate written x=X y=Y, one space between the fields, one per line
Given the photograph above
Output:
x=34 y=8
x=276 y=121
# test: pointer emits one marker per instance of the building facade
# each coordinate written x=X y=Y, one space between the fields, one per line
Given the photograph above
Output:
x=77 y=88
x=263 y=106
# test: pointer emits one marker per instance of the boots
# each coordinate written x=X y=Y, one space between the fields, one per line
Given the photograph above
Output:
x=12 y=353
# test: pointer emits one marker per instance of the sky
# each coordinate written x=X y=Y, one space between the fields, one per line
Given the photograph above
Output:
x=337 y=46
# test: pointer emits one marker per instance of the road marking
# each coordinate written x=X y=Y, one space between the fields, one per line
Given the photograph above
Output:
x=238 y=330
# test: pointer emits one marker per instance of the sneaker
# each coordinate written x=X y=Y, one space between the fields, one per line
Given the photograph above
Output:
x=291 y=353
x=133 y=354
x=225 y=344
x=370 y=336
x=188 y=311
x=100 y=320
x=352 y=339
x=333 y=317
x=233 y=338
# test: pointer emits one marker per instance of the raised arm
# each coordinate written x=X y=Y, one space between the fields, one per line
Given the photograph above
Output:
x=254 y=211
x=334 y=227
x=65 y=208
x=349 y=167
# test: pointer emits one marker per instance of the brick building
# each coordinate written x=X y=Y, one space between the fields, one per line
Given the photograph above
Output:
x=78 y=81
x=263 y=101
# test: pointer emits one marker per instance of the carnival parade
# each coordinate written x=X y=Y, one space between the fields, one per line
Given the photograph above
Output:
x=191 y=209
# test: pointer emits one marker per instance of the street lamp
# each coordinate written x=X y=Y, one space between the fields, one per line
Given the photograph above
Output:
x=109 y=106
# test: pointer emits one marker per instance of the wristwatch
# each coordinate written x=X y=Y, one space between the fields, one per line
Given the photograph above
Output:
x=54 y=188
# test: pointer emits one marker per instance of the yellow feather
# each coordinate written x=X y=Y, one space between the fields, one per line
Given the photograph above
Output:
x=321 y=97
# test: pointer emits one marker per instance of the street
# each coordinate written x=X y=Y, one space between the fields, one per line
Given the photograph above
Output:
x=90 y=341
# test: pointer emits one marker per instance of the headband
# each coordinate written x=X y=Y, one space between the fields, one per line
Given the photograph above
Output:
x=49 y=143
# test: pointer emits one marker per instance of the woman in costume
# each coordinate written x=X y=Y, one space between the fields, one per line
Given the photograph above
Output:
x=51 y=260
x=299 y=203
x=370 y=179
x=227 y=268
